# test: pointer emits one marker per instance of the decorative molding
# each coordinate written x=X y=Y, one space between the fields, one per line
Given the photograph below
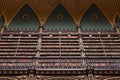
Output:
x=25 y=16
x=20 y=6
x=94 y=16
x=116 y=14
x=52 y=9
x=108 y=11
x=59 y=16
x=83 y=13
x=76 y=8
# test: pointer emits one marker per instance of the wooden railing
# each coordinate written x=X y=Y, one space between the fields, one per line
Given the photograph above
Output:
x=60 y=43
x=39 y=63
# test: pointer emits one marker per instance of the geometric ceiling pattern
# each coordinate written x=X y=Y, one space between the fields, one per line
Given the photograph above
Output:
x=43 y=8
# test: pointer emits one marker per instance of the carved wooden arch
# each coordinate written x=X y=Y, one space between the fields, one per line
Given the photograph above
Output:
x=45 y=20
x=105 y=14
x=4 y=16
x=19 y=10
x=116 y=14
x=101 y=11
x=83 y=13
x=60 y=3
x=70 y=13
x=30 y=5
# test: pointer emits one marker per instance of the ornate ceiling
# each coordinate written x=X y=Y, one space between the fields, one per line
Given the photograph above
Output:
x=43 y=8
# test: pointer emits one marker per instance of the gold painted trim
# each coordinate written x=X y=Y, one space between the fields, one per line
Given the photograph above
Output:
x=111 y=23
x=77 y=21
x=105 y=14
x=49 y=14
x=83 y=13
x=116 y=14
x=37 y=15
x=23 y=4
x=14 y=14
x=4 y=16
x=54 y=9
x=70 y=13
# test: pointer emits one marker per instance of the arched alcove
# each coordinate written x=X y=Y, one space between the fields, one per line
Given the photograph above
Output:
x=25 y=19
x=59 y=19
x=94 y=19
x=2 y=21
x=117 y=21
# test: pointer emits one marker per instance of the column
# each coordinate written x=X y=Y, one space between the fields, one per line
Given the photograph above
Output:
x=116 y=28
x=39 y=41
x=81 y=42
x=78 y=28
x=40 y=28
x=3 y=27
x=60 y=53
